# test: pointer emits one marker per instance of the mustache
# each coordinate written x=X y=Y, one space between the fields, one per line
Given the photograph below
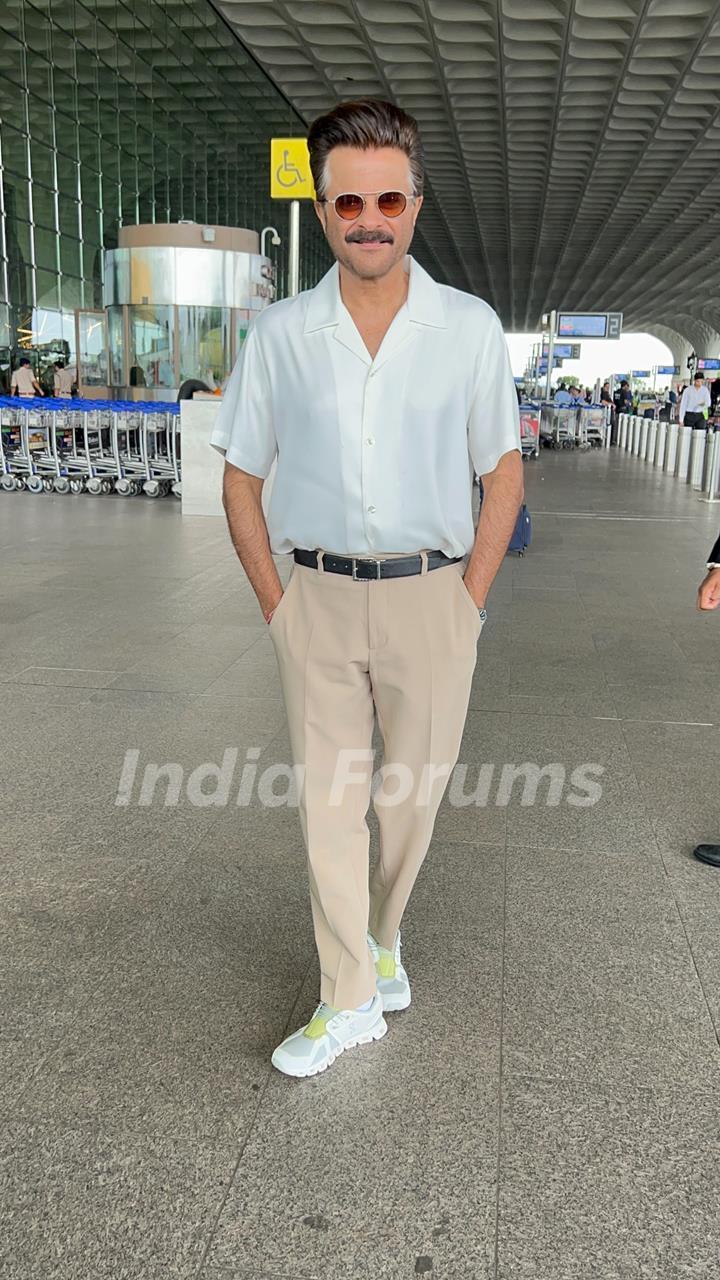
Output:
x=369 y=237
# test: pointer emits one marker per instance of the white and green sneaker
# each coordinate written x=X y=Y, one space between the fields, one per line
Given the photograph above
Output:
x=393 y=983
x=329 y=1033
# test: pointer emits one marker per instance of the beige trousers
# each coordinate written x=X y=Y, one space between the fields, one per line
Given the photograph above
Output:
x=401 y=649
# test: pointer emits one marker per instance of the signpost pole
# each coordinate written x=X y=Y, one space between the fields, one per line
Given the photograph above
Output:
x=551 y=348
x=294 y=250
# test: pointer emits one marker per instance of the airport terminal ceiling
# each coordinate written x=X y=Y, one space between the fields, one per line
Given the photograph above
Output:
x=572 y=146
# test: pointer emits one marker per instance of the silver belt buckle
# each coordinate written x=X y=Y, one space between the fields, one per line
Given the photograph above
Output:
x=376 y=562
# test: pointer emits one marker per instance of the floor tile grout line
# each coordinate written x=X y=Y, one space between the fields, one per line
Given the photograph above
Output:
x=672 y=890
x=498 y=1171
x=249 y=1130
x=87 y=1002
x=683 y=922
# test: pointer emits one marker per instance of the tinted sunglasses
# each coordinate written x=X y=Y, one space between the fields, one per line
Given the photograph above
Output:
x=350 y=205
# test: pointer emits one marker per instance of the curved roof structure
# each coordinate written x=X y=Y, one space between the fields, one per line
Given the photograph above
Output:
x=570 y=144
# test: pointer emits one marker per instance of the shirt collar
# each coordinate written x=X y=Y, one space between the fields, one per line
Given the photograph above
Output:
x=425 y=302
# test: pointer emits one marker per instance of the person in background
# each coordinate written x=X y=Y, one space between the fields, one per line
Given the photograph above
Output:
x=695 y=400
x=605 y=397
x=562 y=397
x=191 y=387
x=709 y=598
x=714 y=393
x=24 y=382
x=63 y=380
x=623 y=398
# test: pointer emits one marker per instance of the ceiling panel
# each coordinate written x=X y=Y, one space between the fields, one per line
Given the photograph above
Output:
x=572 y=146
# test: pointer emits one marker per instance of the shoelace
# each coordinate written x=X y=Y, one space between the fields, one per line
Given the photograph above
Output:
x=323 y=1008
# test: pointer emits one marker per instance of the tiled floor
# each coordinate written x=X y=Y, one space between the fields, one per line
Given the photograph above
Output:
x=547 y=1108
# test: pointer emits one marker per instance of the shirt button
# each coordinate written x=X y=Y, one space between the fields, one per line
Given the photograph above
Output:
x=370 y=440
x=371 y=510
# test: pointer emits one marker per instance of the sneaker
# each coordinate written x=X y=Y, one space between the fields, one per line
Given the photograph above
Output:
x=393 y=983
x=329 y=1033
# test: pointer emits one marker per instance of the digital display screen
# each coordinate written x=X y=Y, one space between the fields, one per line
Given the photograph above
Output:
x=574 y=325
x=641 y=373
x=668 y=368
x=560 y=351
x=708 y=364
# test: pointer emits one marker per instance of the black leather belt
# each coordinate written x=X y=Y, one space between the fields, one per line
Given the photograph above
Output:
x=366 y=570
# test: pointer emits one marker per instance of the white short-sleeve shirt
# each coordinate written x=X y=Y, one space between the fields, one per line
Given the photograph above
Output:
x=372 y=455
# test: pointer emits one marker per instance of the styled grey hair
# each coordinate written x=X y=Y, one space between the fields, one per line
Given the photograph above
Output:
x=365 y=124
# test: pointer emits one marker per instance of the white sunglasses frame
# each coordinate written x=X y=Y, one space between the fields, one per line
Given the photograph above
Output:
x=362 y=195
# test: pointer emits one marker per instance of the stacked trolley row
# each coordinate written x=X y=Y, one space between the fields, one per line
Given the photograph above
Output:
x=96 y=446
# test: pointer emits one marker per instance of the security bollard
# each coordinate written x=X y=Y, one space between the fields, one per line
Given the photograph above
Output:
x=661 y=444
x=712 y=487
x=637 y=431
x=707 y=460
x=671 y=450
x=683 y=453
x=644 y=429
x=651 y=441
x=697 y=457
x=622 y=430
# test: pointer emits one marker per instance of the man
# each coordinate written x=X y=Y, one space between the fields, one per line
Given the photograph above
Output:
x=63 y=380
x=378 y=393
x=695 y=404
x=709 y=598
x=569 y=399
x=623 y=398
x=24 y=382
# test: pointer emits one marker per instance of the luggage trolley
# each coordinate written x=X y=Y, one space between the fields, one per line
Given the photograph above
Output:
x=29 y=455
x=130 y=442
x=530 y=429
x=161 y=431
x=9 y=440
x=559 y=426
x=592 y=426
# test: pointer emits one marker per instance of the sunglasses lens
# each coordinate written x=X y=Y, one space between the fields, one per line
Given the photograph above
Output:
x=392 y=203
x=349 y=206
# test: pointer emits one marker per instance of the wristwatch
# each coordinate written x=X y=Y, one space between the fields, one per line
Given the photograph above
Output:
x=711 y=565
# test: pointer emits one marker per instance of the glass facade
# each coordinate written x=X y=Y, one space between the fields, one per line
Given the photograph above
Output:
x=115 y=112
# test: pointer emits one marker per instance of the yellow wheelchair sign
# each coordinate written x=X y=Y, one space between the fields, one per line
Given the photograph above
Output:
x=290 y=176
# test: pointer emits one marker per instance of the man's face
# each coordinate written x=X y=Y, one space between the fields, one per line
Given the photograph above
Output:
x=698 y=382
x=371 y=245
